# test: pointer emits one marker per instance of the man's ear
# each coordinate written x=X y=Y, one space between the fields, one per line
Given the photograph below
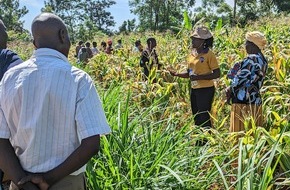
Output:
x=61 y=35
x=34 y=44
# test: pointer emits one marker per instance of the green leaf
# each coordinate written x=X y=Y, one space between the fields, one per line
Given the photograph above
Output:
x=186 y=21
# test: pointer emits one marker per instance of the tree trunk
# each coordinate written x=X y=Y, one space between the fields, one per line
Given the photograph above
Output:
x=235 y=12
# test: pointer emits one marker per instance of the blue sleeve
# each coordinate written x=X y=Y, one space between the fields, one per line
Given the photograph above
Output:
x=7 y=58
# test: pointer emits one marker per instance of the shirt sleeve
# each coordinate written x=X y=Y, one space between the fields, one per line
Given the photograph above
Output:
x=4 y=129
x=213 y=62
x=243 y=76
x=90 y=117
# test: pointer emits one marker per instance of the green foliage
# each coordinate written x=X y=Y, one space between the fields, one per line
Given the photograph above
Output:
x=82 y=16
x=159 y=15
x=10 y=14
x=128 y=26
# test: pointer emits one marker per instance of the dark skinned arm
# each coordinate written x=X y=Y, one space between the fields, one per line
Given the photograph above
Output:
x=181 y=75
x=214 y=75
x=88 y=148
x=10 y=165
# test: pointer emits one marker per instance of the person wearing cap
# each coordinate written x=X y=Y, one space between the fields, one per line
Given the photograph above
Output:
x=202 y=67
x=109 y=49
x=247 y=78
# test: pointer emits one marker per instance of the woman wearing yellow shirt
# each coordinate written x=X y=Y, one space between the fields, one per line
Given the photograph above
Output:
x=202 y=69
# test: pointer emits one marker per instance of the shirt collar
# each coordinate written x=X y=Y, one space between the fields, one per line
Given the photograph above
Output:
x=49 y=53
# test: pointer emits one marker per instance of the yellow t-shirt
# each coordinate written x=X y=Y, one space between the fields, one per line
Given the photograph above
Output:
x=202 y=64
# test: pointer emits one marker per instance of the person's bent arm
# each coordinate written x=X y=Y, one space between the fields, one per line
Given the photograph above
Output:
x=89 y=147
x=10 y=165
x=181 y=75
x=214 y=75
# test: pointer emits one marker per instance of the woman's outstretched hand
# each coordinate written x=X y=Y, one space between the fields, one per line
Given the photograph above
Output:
x=173 y=73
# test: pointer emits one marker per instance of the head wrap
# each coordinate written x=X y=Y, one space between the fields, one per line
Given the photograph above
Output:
x=201 y=32
x=257 y=38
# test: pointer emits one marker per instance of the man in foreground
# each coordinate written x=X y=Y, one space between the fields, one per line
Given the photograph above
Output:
x=51 y=117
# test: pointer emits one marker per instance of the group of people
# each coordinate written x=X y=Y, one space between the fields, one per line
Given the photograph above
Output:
x=84 y=52
x=246 y=77
x=51 y=115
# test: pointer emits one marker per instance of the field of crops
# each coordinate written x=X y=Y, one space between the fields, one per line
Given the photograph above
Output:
x=152 y=144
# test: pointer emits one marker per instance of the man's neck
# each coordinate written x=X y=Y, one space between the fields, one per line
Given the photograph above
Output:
x=3 y=47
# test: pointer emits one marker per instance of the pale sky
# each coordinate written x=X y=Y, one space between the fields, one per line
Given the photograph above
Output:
x=120 y=11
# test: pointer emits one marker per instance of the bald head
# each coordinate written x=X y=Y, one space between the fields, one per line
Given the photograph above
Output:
x=3 y=35
x=49 y=31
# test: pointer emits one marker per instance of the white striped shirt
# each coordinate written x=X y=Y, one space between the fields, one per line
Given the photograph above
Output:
x=47 y=107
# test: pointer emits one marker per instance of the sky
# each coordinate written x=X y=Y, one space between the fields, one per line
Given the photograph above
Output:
x=120 y=11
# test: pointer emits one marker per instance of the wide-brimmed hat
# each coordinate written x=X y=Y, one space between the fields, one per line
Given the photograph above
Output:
x=257 y=38
x=201 y=32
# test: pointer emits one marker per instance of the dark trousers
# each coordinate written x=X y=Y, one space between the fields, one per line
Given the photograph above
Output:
x=201 y=100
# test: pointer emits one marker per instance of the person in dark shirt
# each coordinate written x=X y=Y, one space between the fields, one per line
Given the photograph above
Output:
x=79 y=46
x=89 y=51
x=149 y=58
x=8 y=59
x=109 y=49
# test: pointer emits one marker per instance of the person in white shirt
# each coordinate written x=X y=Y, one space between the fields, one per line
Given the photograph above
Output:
x=51 y=116
x=95 y=49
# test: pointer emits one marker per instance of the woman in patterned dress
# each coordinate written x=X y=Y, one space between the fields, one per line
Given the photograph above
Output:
x=247 y=79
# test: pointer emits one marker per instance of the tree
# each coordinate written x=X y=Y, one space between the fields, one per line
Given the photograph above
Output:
x=10 y=13
x=82 y=15
x=128 y=26
x=97 y=14
x=212 y=10
x=282 y=5
x=159 y=15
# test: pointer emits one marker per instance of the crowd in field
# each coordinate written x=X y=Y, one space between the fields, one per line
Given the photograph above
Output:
x=51 y=115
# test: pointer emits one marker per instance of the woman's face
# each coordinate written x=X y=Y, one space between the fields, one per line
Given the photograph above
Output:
x=197 y=42
x=251 y=47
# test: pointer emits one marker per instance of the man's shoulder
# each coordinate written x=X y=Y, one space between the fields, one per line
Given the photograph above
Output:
x=8 y=57
x=6 y=52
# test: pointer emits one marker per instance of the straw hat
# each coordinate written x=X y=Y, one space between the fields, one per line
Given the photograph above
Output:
x=257 y=38
x=201 y=32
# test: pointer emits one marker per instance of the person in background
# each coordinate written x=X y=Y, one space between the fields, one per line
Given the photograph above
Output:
x=119 y=44
x=202 y=67
x=109 y=49
x=89 y=51
x=103 y=46
x=8 y=59
x=83 y=57
x=94 y=49
x=78 y=48
x=149 y=58
x=247 y=77
x=138 y=46
x=45 y=142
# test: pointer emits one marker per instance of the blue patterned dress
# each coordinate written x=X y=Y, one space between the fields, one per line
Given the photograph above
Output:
x=247 y=78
